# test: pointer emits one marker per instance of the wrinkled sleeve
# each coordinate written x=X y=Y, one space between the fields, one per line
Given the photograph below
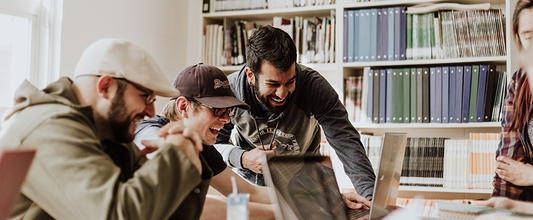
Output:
x=341 y=135
x=72 y=178
x=510 y=144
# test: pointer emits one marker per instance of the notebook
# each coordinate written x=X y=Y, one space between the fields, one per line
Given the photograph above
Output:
x=465 y=211
x=14 y=165
x=305 y=187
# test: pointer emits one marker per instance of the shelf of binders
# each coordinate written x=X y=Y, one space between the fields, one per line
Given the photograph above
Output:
x=497 y=59
x=360 y=125
x=308 y=11
x=354 y=4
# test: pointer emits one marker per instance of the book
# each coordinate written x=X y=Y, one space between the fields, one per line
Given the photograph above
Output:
x=490 y=89
x=370 y=95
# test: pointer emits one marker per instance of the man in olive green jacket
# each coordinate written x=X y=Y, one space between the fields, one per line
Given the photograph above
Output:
x=86 y=166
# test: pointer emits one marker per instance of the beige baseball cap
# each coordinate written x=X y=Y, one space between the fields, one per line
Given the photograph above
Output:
x=119 y=58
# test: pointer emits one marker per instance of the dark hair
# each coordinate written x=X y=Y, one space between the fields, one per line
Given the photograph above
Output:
x=272 y=45
x=523 y=98
x=520 y=5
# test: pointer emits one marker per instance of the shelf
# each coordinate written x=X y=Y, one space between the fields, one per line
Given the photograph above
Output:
x=315 y=66
x=429 y=125
x=410 y=2
x=444 y=190
x=230 y=69
x=501 y=59
x=308 y=11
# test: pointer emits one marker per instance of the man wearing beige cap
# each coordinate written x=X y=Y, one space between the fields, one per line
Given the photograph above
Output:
x=87 y=166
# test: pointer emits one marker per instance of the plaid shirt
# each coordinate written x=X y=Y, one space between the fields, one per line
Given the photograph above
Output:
x=512 y=146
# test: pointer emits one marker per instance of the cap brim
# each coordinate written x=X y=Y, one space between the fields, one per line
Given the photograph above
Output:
x=223 y=102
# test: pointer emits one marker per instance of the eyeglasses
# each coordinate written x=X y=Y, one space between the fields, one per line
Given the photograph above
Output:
x=217 y=112
x=149 y=96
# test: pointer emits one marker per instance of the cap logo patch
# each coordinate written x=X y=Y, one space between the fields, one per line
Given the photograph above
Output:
x=219 y=83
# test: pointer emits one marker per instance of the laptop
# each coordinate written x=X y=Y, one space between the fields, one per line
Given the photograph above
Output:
x=305 y=187
x=14 y=165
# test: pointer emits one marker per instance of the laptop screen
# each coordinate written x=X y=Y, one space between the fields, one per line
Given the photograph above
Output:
x=307 y=186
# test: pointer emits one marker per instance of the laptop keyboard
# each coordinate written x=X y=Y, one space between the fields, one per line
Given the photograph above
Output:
x=357 y=213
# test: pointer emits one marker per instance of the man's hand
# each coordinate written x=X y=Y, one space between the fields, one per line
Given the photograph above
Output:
x=179 y=128
x=510 y=170
x=354 y=201
x=252 y=159
x=496 y=202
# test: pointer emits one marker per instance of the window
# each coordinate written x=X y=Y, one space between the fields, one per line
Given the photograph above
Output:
x=29 y=45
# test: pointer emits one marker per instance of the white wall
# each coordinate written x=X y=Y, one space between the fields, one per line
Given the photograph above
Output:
x=159 y=26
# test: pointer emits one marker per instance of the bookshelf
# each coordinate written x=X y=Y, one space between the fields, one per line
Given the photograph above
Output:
x=338 y=71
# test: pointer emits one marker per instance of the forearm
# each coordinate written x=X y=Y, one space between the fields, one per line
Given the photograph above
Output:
x=260 y=195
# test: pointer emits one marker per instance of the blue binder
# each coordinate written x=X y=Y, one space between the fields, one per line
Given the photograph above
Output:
x=390 y=32
x=403 y=32
x=451 y=107
x=445 y=93
x=459 y=94
x=348 y=47
x=373 y=34
x=438 y=94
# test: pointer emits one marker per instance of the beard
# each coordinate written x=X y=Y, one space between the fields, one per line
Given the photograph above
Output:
x=264 y=99
x=119 y=128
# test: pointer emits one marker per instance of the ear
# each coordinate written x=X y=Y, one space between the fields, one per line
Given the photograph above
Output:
x=105 y=85
x=181 y=106
x=250 y=75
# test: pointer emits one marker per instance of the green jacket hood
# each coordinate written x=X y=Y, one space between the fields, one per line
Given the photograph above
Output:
x=59 y=92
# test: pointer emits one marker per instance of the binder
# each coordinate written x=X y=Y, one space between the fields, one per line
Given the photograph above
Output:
x=438 y=94
x=419 y=95
x=356 y=36
x=432 y=95
x=459 y=78
x=412 y=94
x=403 y=29
x=375 y=94
x=474 y=84
x=451 y=106
x=467 y=80
x=481 y=92
x=390 y=32
x=373 y=34
x=370 y=96
x=490 y=91
x=382 y=34
x=388 y=105
x=445 y=93
x=397 y=38
x=397 y=95
x=348 y=40
x=425 y=95
x=364 y=35
x=382 y=94
x=406 y=97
